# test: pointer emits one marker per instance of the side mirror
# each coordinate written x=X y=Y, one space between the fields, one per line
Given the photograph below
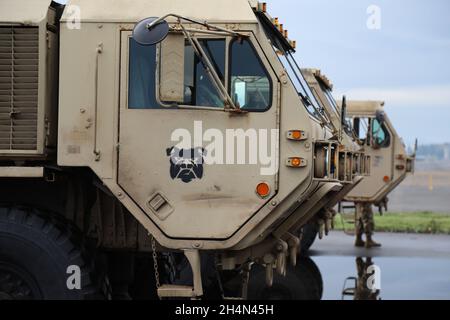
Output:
x=150 y=31
x=171 y=68
x=380 y=116
x=344 y=111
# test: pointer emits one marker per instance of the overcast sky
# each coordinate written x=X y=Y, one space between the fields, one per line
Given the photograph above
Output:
x=405 y=62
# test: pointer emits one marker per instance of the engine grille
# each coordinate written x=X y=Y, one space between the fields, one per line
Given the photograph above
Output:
x=19 y=62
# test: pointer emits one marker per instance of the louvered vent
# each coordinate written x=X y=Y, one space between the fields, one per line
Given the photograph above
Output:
x=19 y=61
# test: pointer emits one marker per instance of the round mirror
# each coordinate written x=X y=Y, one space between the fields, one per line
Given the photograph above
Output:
x=147 y=37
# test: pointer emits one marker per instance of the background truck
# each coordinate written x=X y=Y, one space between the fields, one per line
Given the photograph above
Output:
x=133 y=162
x=369 y=130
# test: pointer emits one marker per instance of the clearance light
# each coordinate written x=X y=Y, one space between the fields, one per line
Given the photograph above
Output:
x=262 y=7
x=296 y=162
x=293 y=44
x=400 y=167
x=276 y=22
x=286 y=34
x=281 y=28
x=263 y=190
x=296 y=135
x=386 y=179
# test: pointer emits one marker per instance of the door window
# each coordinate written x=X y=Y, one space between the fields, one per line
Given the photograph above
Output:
x=141 y=76
x=250 y=82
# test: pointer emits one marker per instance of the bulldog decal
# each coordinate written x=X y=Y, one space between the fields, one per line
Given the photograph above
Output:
x=186 y=164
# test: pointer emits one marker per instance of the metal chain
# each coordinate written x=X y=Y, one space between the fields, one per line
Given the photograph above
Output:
x=155 y=262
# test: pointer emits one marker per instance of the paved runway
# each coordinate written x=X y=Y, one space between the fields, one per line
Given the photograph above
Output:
x=394 y=245
x=412 y=267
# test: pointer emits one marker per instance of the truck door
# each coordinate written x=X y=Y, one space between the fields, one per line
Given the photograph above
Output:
x=379 y=143
x=193 y=167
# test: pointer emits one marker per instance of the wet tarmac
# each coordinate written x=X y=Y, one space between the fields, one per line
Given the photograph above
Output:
x=407 y=267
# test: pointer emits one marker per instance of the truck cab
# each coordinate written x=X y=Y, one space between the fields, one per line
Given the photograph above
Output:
x=390 y=162
x=156 y=127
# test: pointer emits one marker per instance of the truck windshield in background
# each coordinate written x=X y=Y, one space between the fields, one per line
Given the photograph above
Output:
x=289 y=63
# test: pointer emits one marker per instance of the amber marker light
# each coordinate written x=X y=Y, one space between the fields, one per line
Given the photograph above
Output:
x=297 y=135
x=296 y=162
x=263 y=190
x=386 y=179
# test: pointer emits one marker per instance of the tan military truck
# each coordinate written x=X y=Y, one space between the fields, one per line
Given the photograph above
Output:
x=321 y=87
x=389 y=162
x=128 y=142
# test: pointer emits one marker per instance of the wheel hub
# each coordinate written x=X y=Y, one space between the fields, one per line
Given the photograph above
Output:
x=16 y=284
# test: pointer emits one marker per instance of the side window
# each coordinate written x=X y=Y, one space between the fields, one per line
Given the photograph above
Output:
x=380 y=135
x=361 y=129
x=198 y=88
x=250 y=85
x=141 y=76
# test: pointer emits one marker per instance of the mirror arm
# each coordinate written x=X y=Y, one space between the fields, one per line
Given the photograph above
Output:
x=228 y=102
x=205 y=24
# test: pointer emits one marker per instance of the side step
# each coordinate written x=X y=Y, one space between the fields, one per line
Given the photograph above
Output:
x=178 y=291
x=174 y=291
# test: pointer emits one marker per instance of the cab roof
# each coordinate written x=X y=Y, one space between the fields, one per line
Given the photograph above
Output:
x=132 y=11
x=23 y=11
x=363 y=107
x=317 y=73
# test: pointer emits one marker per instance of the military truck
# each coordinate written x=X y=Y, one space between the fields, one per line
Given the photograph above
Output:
x=391 y=163
x=132 y=146
x=321 y=87
x=368 y=130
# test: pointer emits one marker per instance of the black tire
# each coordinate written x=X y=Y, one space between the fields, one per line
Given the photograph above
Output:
x=310 y=231
x=299 y=284
x=314 y=271
x=35 y=253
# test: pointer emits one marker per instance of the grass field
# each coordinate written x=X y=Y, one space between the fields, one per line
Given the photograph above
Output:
x=420 y=222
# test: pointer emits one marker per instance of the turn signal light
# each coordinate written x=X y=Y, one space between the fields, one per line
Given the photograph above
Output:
x=263 y=190
x=296 y=162
x=297 y=135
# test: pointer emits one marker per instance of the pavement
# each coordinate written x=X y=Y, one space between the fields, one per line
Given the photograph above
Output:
x=411 y=266
x=393 y=245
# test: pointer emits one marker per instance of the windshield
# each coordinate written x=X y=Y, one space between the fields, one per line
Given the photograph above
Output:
x=284 y=53
x=302 y=87
x=330 y=99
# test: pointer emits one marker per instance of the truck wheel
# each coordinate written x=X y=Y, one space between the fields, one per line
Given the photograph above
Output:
x=310 y=232
x=299 y=283
x=41 y=258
